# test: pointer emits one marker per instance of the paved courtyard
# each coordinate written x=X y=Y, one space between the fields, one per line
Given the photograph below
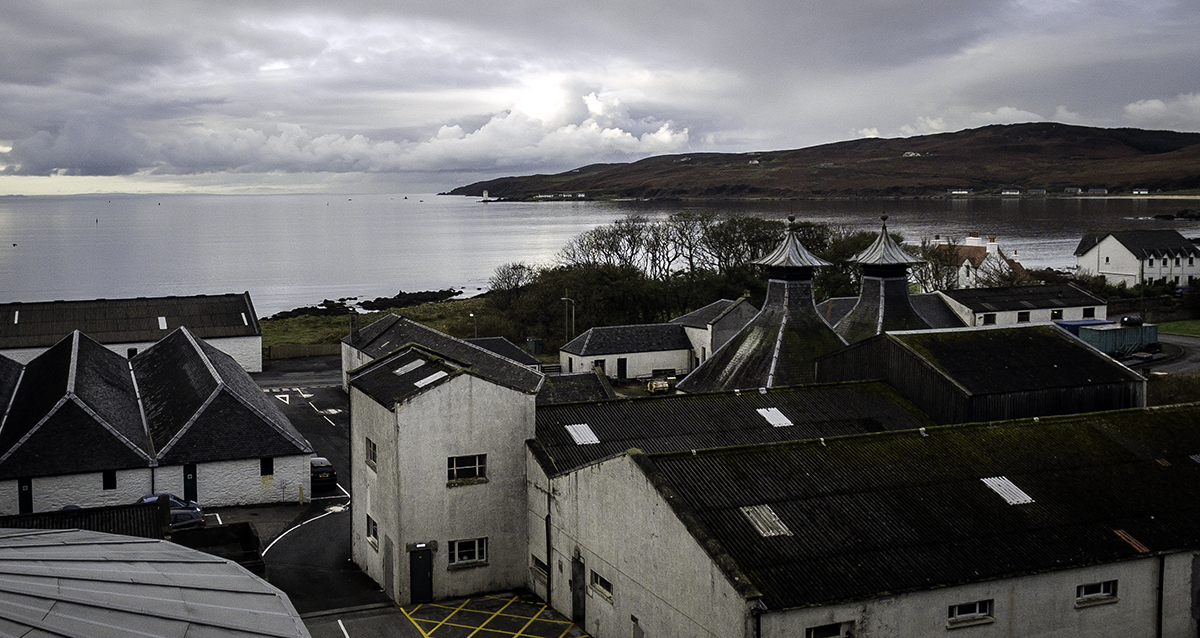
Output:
x=494 y=616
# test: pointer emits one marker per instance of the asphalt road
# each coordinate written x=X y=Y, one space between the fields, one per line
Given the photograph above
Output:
x=1189 y=363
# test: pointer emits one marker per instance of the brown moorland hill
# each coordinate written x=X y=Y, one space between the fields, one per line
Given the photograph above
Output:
x=985 y=160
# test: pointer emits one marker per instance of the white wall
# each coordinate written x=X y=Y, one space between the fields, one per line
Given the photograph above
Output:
x=247 y=351
x=639 y=364
x=1038 y=606
x=352 y=358
x=1010 y=317
x=617 y=522
x=1112 y=260
x=408 y=495
x=85 y=490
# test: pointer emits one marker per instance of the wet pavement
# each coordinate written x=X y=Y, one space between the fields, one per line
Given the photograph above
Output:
x=507 y=614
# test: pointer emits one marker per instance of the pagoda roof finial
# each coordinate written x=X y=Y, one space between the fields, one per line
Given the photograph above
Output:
x=791 y=253
x=884 y=251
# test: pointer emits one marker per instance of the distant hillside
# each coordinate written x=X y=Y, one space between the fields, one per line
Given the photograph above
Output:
x=985 y=160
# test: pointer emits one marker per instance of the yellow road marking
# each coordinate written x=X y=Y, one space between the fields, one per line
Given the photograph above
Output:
x=477 y=628
x=539 y=613
x=481 y=625
x=410 y=619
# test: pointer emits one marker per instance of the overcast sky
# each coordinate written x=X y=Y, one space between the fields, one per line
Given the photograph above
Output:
x=425 y=95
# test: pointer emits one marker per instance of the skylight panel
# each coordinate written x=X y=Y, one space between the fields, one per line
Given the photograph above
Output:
x=774 y=417
x=245 y=322
x=431 y=378
x=16 y=316
x=582 y=434
x=765 y=520
x=1007 y=490
x=409 y=367
x=162 y=323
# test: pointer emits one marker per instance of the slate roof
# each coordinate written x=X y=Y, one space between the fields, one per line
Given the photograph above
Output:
x=80 y=583
x=884 y=251
x=394 y=332
x=650 y=337
x=701 y=317
x=699 y=421
x=572 y=387
x=1023 y=298
x=1143 y=244
x=80 y=407
x=1013 y=359
x=404 y=374
x=887 y=513
x=42 y=324
x=930 y=306
x=506 y=349
x=791 y=253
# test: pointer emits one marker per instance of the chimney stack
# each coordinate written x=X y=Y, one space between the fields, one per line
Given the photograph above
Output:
x=353 y=327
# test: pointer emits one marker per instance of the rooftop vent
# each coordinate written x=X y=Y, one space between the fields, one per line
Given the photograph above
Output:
x=431 y=378
x=409 y=367
x=582 y=434
x=774 y=417
x=1006 y=489
x=764 y=519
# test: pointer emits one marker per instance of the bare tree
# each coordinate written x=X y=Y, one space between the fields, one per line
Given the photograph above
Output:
x=940 y=270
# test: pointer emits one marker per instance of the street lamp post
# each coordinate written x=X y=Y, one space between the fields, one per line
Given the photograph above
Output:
x=476 y=322
x=565 y=299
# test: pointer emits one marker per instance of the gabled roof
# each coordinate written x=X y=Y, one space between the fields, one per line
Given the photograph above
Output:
x=506 y=349
x=701 y=317
x=200 y=405
x=80 y=583
x=79 y=407
x=74 y=410
x=404 y=374
x=393 y=332
x=42 y=324
x=698 y=421
x=573 y=387
x=1013 y=359
x=650 y=337
x=887 y=513
x=1023 y=298
x=1143 y=244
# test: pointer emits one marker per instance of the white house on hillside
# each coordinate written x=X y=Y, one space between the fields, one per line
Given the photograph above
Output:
x=1132 y=257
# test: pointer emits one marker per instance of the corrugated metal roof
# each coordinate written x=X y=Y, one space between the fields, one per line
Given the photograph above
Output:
x=1023 y=297
x=573 y=387
x=897 y=511
x=686 y=422
x=80 y=583
x=42 y=324
x=402 y=375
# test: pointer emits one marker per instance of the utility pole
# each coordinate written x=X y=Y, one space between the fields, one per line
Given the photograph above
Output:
x=569 y=334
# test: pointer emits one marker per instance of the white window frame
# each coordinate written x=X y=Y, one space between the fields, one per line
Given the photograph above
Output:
x=476 y=547
x=973 y=613
x=372 y=453
x=372 y=532
x=601 y=586
x=1098 y=593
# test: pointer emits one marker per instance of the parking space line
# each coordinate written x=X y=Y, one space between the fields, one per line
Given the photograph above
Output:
x=521 y=631
x=343 y=627
x=490 y=618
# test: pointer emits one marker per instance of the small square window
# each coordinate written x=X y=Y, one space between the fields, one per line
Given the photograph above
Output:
x=1106 y=260
x=1023 y=316
x=469 y=467
x=989 y=319
x=602 y=586
x=371 y=453
x=471 y=551
x=1056 y=314
x=1089 y=313
x=540 y=566
x=1177 y=261
x=110 y=479
x=970 y=613
x=1096 y=593
x=372 y=532
x=266 y=466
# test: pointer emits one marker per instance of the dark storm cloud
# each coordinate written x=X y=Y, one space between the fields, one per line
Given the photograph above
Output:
x=119 y=87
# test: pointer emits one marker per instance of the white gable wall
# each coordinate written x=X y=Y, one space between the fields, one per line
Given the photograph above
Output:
x=247 y=351
x=412 y=501
x=639 y=365
x=611 y=517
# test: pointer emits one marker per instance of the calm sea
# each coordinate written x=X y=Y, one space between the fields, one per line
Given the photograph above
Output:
x=296 y=250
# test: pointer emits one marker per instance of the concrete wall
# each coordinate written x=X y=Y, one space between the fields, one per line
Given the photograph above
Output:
x=247 y=351
x=352 y=358
x=410 y=498
x=611 y=516
x=639 y=364
x=1038 y=606
x=218 y=484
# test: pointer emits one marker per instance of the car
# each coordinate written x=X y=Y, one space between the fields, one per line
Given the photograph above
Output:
x=186 y=519
x=323 y=472
x=176 y=502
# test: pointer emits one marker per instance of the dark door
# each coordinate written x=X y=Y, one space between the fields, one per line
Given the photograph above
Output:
x=578 y=590
x=622 y=368
x=25 y=495
x=189 y=483
x=420 y=564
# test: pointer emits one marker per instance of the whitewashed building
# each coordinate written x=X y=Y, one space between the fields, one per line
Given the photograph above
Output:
x=438 y=469
x=1132 y=257
x=227 y=322
x=85 y=426
x=977 y=263
x=1013 y=305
